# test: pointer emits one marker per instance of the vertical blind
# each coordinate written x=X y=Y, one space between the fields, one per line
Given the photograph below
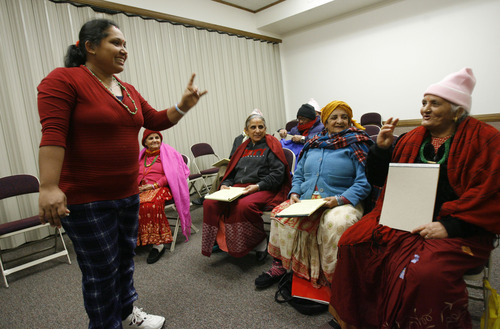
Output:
x=240 y=75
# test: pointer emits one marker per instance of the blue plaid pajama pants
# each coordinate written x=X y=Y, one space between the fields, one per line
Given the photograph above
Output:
x=104 y=235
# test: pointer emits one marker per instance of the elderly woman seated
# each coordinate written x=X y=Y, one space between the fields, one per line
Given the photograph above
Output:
x=162 y=176
x=259 y=165
x=332 y=167
x=387 y=278
x=309 y=124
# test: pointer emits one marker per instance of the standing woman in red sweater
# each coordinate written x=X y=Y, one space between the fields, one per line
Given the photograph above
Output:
x=88 y=167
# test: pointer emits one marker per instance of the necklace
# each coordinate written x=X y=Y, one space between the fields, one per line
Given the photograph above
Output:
x=152 y=163
x=443 y=158
x=111 y=91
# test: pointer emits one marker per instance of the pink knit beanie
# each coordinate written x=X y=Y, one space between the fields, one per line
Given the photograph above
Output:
x=455 y=88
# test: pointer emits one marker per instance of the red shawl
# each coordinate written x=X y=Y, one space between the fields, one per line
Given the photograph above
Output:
x=277 y=149
x=473 y=173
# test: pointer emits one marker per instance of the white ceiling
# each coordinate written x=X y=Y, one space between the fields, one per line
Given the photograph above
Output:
x=272 y=20
x=250 y=5
x=297 y=14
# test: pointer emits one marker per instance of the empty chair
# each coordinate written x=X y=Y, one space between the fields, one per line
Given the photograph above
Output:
x=371 y=118
x=206 y=151
x=194 y=178
x=17 y=185
x=372 y=130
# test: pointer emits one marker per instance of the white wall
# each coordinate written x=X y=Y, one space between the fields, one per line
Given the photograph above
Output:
x=382 y=59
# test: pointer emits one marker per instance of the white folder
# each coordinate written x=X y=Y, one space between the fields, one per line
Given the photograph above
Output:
x=410 y=195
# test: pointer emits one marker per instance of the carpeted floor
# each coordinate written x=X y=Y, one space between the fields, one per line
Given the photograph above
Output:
x=190 y=290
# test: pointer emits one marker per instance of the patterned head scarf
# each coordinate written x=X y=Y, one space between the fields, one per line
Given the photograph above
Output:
x=332 y=106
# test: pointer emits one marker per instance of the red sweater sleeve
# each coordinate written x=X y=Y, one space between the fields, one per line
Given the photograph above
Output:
x=56 y=99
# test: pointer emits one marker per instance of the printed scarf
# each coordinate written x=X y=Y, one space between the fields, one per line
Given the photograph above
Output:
x=352 y=137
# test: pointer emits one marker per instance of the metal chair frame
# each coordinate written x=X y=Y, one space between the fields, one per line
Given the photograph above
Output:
x=194 y=178
x=201 y=150
x=26 y=225
x=476 y=281
x=170 y=205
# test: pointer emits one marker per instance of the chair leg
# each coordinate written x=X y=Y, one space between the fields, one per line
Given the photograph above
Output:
x=3 y=274
x=195 y=229
x=63 y=243
x=176 y=231
x=486 y=308
x=193 y=185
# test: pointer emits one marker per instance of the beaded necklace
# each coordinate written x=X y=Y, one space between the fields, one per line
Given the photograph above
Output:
x=152 y=163
x=111 y=91
x=148 y=166
x=443 y=158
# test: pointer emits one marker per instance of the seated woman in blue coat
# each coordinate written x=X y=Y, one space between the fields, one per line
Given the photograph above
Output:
x=332 y=167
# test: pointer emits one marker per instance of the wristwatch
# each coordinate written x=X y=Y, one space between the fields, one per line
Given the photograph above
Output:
x=303 y=139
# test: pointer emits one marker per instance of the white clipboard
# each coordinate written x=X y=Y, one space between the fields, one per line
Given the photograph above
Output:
x=410 y=195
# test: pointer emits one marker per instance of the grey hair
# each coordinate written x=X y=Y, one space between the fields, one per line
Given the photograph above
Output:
x=454 y=110
x=254 y=116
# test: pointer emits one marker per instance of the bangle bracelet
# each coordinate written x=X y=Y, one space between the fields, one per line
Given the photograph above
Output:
x=340 y=202
x=179 y=110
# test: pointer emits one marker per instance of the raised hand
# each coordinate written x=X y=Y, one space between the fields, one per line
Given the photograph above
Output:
x=385 y=137
x=191 y=95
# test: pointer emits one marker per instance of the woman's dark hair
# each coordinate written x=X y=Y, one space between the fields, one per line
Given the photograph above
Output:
x=92 y=31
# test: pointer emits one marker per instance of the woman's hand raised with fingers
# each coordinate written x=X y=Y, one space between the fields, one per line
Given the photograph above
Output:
x=385 y=137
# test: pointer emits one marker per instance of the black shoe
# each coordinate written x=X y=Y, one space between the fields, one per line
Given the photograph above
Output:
x=261 y=255
x=216 y=249
x=199 y=201
x=154 y=255
x=265 y=280
x=334 y=324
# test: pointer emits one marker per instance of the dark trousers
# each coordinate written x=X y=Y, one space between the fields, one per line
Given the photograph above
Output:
x=104 y=235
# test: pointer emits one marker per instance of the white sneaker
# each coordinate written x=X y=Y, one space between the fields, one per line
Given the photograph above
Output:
x=141 y=320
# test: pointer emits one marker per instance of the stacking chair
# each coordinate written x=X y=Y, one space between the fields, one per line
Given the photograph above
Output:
x=475 y=280
x=290 y=124
x=372 y=130
x=195 y=178
x=371 y=118
x=170 y=205
x=205 y=151
x=18 y=185
x=290 y=158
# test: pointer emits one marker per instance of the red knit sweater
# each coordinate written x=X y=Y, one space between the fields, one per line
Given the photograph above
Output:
x=100 y=136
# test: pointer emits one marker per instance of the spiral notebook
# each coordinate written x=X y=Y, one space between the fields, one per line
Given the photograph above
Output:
x=410 y=195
